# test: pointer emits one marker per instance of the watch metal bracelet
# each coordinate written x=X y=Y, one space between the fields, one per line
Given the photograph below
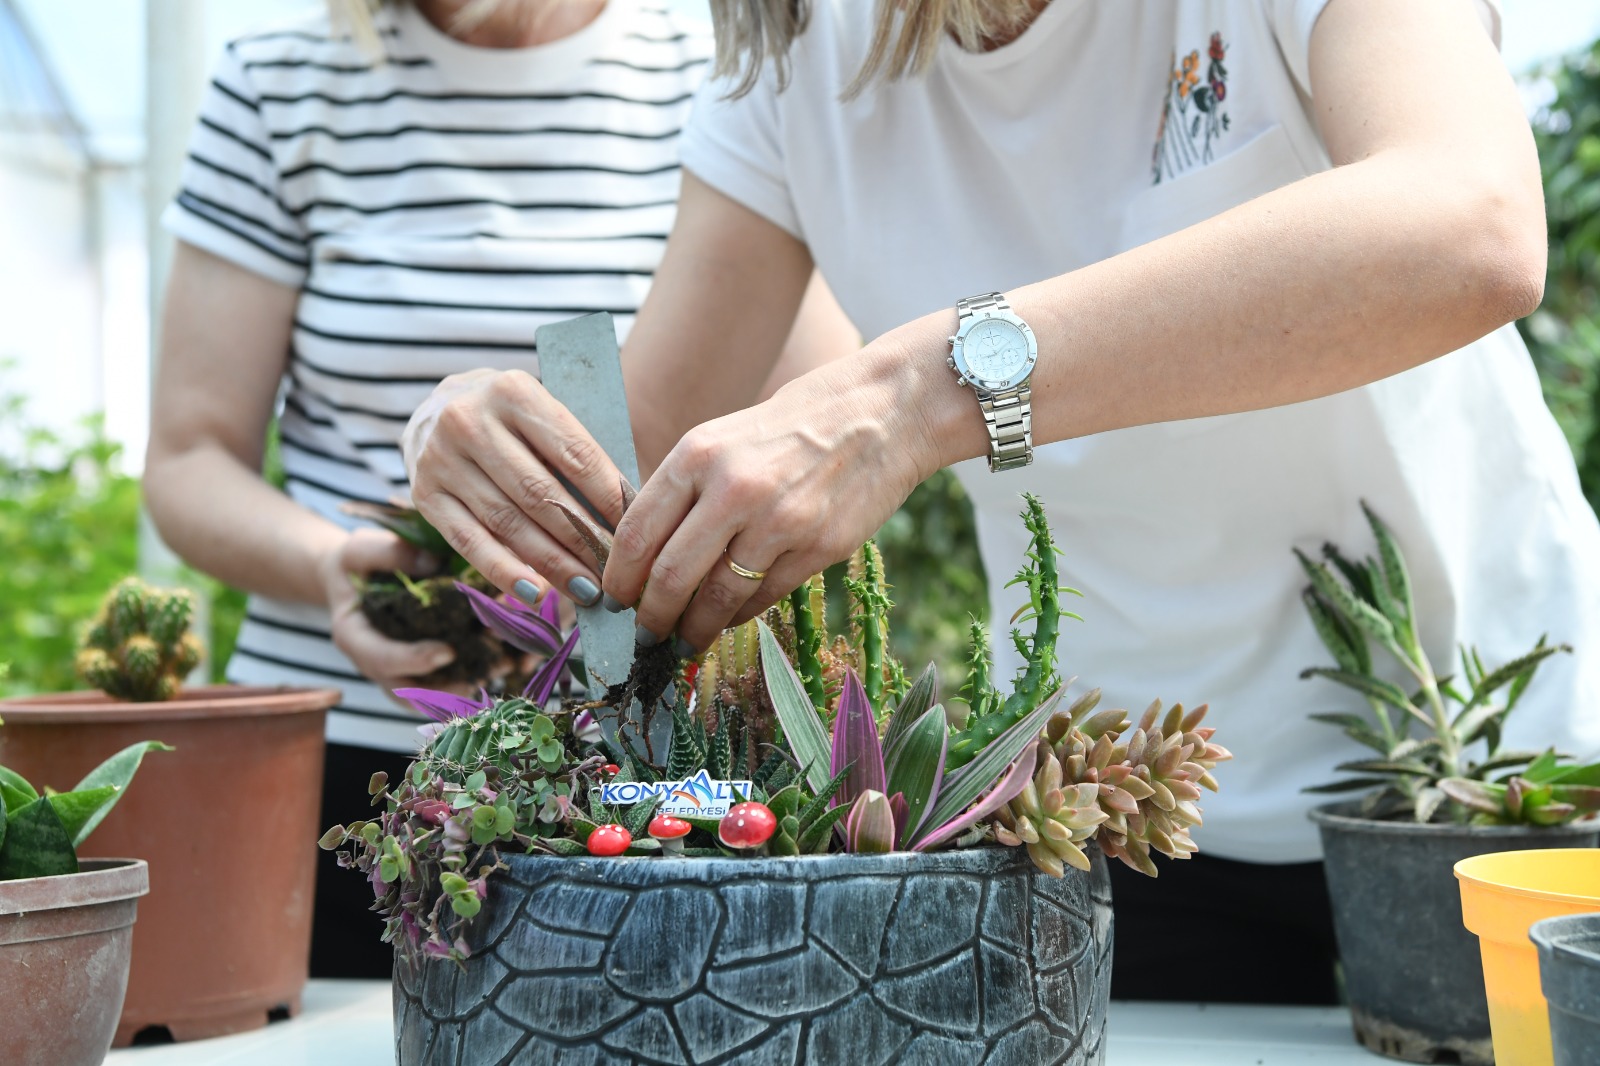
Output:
x=1008 y=414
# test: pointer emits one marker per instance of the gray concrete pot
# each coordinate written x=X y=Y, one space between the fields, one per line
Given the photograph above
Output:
x=959 y=957
x=1413 y=973
x=1569 y=972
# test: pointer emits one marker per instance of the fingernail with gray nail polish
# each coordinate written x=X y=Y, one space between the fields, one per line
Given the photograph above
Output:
x=612 y=604
x=526 y=591
x=583 y=590
x=644 y=638
x=684 y=650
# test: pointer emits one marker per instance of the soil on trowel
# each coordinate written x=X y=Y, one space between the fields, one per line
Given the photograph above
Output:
x=398 y=613
x=654 y=670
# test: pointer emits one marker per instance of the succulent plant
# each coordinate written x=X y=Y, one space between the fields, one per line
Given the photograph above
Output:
x=40 y=834
x=1425 y=767
x=139 y=647
x=908 y=769
x=1134 y=792
x=492 y=773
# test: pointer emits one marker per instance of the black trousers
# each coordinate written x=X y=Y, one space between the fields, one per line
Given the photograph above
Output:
x=1223 y=932
x=344 y=930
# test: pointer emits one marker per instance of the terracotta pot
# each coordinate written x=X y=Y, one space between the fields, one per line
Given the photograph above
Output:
x=228 y=824
x=64 y=949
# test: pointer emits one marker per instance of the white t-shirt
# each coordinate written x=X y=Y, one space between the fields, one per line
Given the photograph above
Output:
x=1105 y=126
x=433 y=210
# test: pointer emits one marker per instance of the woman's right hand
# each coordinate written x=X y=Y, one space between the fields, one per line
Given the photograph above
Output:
x=390 y=663
x=486 y=452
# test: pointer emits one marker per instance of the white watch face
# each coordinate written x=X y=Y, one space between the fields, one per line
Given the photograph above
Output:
x=995 y=350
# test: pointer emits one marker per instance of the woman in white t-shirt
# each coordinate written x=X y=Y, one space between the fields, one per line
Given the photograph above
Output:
x=1243 y=233
x=361 y=216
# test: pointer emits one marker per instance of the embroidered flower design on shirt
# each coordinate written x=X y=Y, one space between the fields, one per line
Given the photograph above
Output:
x=1191 y=114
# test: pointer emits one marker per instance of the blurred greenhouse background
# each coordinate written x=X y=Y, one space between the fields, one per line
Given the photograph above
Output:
x=91 y=132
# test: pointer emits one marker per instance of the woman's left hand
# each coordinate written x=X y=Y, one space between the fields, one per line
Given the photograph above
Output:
x=783 y=489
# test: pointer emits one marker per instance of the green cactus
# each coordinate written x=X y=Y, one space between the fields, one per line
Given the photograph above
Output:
x=808 y=607
x=139 y=647
x=1038 y=678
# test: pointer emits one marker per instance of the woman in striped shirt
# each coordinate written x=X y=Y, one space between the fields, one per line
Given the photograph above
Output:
x=352 y=228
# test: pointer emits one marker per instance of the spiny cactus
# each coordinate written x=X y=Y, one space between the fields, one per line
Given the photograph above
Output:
x=139 y=647
x=1038 y=678
x=1132 y=796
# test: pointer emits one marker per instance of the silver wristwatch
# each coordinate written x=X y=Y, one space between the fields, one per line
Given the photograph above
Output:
x=994 y=351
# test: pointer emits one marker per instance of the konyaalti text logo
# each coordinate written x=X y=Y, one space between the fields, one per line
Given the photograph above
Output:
x=699 y=796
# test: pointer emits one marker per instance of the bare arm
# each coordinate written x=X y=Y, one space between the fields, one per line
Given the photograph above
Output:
x=821 y=334
x=1426 y=235
x=224 y=340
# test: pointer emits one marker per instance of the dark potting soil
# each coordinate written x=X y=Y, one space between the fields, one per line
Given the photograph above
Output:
x=397 y=613
x=654 y=670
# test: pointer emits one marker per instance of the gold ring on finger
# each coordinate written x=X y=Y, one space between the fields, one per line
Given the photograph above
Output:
x=753 y=575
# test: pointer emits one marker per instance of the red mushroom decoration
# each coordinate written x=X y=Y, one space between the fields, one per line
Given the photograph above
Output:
x=747 y=825
x=611 y=769
x=609 y=840
x=670 y=831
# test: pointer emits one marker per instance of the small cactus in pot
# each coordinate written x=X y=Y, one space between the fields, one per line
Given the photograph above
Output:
x=139 y=648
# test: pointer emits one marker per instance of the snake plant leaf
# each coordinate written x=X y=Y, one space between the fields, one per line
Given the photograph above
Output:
x=923 y=693
x=15 y=791
x=802 y=726
x=116 y=771
x=36 y=844
x=856 y=744
x=916 y=768
x=77 y=808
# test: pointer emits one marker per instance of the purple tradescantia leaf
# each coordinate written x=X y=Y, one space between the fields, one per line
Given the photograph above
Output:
x=443 y=706
x=523 y=627
x=1010 y=785
x=543 y=681
x=550 y=609
x=869 y=827
x=856 y=744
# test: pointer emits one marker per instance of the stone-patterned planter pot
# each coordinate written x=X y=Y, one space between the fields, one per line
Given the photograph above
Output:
x=1413 y=973
x=842 y=960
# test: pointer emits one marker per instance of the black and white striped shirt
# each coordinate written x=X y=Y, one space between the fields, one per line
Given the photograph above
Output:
x=433 y=210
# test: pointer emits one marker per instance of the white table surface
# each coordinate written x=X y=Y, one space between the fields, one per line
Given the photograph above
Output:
x=347 y=1023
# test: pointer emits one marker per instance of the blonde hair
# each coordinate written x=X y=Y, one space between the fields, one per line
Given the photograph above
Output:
x=905 y=35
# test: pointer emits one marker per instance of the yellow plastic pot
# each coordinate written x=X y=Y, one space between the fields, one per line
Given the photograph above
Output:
x=1502 y=895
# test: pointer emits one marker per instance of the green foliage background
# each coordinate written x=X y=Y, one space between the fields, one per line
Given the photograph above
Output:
x=69 y=515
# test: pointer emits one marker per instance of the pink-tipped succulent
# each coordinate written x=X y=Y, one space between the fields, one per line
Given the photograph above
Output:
x=1133 y=795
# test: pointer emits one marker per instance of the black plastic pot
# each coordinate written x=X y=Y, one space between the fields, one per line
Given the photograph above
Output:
x=1412 y=971
x=1569 y=972
x=842 y=960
